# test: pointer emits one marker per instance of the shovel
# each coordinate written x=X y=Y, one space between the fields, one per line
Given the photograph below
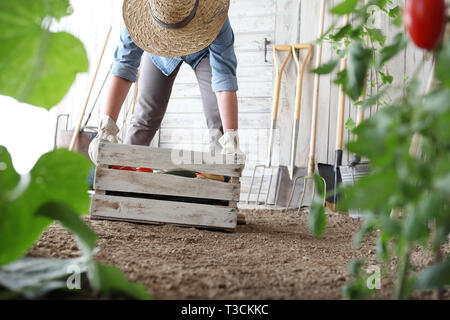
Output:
x=312 y=145
x=331 y=173
x=275 y=103
x=287 y=175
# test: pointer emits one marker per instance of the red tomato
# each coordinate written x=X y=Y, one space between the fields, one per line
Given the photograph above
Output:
x=145 y=170
x=425 y=21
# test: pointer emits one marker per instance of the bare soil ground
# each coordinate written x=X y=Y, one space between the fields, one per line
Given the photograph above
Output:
x=274 y=256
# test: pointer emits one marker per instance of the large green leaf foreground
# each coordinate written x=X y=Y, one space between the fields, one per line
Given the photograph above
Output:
x=38 y=66
x=58 y=176
x=54 y=190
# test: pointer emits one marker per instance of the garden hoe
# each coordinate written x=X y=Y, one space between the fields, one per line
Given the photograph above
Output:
x=331 y=174
x=286 y=175
x=275 y=103
x=312 y=145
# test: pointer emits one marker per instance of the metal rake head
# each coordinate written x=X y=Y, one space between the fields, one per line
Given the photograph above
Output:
x=264 y=168
x=302 y=194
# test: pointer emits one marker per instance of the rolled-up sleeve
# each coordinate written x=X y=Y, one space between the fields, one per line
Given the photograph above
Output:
x=127 y=58
x=223 y=60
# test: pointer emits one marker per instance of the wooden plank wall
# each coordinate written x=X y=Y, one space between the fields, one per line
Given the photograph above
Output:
x=297 y=21
x=253 y=21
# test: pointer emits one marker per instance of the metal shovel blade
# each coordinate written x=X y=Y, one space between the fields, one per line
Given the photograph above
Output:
x=281 y=189
x=332 y=179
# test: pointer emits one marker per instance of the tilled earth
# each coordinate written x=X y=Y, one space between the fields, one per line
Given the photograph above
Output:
x=273 y=256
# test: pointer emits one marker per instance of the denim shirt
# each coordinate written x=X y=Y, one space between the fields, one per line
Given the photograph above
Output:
x=222 y=57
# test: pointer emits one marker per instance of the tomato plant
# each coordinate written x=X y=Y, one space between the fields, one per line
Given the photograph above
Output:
x=417 y=186
x=425 y=21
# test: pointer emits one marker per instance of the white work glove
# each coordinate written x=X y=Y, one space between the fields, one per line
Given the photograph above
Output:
x=107 y=132
x=230 y=145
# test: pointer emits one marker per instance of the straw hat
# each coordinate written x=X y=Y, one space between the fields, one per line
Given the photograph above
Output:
x=174 y=28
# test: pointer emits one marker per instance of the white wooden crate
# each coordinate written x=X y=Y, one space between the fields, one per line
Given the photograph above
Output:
x=163 y=198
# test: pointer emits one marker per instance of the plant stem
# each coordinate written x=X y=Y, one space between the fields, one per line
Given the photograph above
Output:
x=402 y=274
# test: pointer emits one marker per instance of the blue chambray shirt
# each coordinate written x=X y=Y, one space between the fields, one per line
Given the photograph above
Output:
x=222 y=57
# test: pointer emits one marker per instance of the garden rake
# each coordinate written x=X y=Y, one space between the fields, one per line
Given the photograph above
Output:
x=275 y=103
x=312 y=145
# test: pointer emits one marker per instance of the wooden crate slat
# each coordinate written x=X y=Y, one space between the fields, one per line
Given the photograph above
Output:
x=160 y=158
x=148 y=210
x=164 y=184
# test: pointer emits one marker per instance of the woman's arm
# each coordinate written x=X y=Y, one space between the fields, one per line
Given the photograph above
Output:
x=115 y=96
x=124 y=69
x=224 y=81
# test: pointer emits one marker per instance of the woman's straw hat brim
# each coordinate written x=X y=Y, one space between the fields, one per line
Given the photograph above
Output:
x=199 y=33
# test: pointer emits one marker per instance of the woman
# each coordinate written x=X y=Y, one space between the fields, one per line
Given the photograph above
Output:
x=197 y=32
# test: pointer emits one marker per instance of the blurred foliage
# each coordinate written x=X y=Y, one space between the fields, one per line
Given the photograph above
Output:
x=406 y=197
x=38 y=67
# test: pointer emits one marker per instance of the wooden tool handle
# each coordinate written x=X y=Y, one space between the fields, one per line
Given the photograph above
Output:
x=77 y=130
x=312 y=143
x=300 y=72
x=341 y=102
x=279 y=73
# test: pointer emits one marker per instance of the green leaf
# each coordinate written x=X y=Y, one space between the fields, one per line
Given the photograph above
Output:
x=383 y=246
x=370 y=192
x=438 y=102
x=38 y=66
x=379 y=3
x=71 y=221
x=317 y=220
x=58 y=176
x=111 y=280
x=341 y=77
x=355 y=268
x=350 y=124
x=376 y=35
x=398 y=44
x=443 y=65
x=395 y=12
x=343 y=32
x=373 y=99
x=386 y=79
x=358 y=64
x=369 y=224
x=443 y=183
x=436 y=276
x=390 y=226
x=327 y=67
x=357 y=289
x=9 y=178
x=345 y=7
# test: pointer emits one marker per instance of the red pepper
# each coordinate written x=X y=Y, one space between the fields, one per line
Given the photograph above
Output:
x=145 y=170
x=123 y=168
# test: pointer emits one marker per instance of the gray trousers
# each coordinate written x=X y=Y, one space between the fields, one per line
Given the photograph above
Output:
x=153 y=97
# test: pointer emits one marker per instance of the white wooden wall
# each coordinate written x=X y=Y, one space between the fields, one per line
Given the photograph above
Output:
x=253 y=21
